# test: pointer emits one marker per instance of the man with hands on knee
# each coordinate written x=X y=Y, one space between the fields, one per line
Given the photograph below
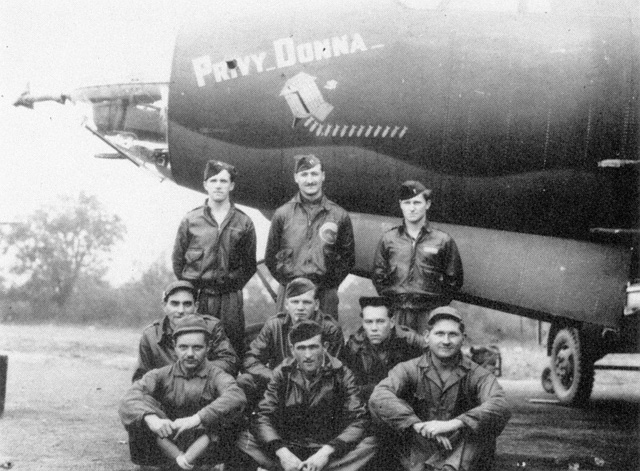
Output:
x=183 y=414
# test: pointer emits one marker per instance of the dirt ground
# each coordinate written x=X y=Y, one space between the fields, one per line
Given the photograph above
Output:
x=64 y=384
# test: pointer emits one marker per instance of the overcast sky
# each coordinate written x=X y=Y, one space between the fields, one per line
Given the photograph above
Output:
x=60 y=45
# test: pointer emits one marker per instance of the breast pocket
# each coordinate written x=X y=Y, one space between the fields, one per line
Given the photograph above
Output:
x=193 y=265
x=428 y=260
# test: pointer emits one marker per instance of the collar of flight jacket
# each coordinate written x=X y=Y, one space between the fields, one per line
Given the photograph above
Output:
x=329 y=366
x=298 y=199
x=363 y=341
x=425 y=229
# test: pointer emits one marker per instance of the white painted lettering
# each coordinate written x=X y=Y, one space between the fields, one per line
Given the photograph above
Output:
x=220 y=71
x=357 y=44
x=202 y=68
x=285 y=52
x=305 y=53
x=340 y=45
x=258 y=60
x=322 y=49
x=243 y=64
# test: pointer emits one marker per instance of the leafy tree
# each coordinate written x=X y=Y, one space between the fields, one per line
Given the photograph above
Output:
x=59 y=244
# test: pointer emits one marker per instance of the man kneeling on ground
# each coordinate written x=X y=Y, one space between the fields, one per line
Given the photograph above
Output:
x=156 y=344
x=447 y=409
x=311 y=416
x=270 y=347
x=379 y=344
x=182 y=413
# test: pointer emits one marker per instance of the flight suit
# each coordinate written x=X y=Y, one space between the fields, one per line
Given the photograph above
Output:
x=170 y=393
x=156 y=348
x=413 y=392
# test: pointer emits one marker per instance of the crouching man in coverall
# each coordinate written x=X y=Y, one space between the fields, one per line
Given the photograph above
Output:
x=311 y=417
x=447 y=410
x=181 y=414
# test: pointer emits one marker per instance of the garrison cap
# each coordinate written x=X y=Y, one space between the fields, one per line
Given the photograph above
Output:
x=305 y=330
x=299 y=286
x=178 y=285
x=412 y=188
x=305 y=162
x=214 y=167
x=374 y=301
x=444 y=312
x=190 y=323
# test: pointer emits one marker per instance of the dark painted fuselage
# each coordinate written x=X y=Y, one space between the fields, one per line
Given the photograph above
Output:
x=504 y=109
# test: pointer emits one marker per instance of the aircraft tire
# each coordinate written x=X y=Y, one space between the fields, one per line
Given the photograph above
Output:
x=572 y=371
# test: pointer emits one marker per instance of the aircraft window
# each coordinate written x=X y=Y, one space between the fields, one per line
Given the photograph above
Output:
x=131 y=118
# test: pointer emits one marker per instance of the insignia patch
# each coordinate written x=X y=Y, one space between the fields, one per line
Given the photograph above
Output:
x=329 y=233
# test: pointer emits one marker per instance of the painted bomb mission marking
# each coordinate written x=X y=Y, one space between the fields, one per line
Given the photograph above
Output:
x=301 y=92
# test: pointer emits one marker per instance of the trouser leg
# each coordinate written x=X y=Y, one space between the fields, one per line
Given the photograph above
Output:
x=228 y=308
x=357 y=458
x=469 y=450
x=416 y=317
x=249 y=446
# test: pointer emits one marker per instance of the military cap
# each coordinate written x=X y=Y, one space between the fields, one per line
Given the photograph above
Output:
x=444 y=312
x=178 y=285
x=412 y=188
x=374 y=301
x=214 y=167
x=305 y=162
x=305 y=330
x=299 y=286
x=189 y=324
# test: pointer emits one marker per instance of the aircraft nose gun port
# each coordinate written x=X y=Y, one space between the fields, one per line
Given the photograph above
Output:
x=131 y=119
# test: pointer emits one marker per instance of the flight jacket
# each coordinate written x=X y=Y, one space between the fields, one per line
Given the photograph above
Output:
x=321 y=249
x=156 y=347
x=329 y=412
x=363 y=359
x=271 y=346
x=429 y=268
x=219 y=259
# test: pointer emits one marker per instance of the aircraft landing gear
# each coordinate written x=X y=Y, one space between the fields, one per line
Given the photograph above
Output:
x=572 y=371
x=545 y=379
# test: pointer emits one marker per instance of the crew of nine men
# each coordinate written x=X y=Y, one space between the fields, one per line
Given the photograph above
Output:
x=299 y=398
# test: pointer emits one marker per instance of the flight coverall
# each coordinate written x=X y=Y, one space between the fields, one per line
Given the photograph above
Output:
x=370 y=364
x=271 y=347
x=413 y=392
x=170 y=393
x=418 y=275
x=218 y=261
x=156 y=348
x=311 y=241
x=304 y=417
